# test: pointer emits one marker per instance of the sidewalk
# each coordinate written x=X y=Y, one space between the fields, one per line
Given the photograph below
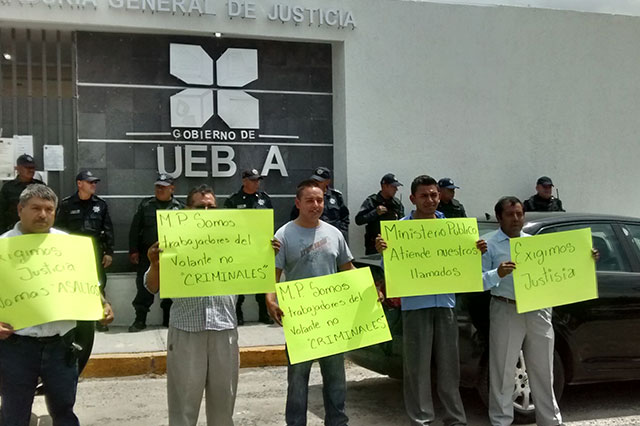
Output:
x=120 y=353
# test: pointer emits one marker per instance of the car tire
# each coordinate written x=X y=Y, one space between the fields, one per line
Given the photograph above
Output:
x=523 y=408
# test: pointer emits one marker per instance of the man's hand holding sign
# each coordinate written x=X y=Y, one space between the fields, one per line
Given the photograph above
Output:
x=215 y=252
x=331 y=314
x=552 y=269
x=431 y=256
x=49 y=277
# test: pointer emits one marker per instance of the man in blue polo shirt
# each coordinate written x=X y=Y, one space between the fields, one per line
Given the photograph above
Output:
x=430 y=326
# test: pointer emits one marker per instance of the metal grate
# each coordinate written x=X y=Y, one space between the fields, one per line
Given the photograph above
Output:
x=37 y=92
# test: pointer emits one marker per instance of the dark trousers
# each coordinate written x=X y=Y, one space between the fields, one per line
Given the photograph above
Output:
x=334 y=391
x=102 y=275
x=22 y=361
x=143 y=300
x=84 y=336
x=431 y=332
x=262 y=306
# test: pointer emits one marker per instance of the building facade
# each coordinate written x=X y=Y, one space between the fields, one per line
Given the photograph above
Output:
x=492 y=96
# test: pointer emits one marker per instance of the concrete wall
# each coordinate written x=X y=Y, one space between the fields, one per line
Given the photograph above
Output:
x=494 y=98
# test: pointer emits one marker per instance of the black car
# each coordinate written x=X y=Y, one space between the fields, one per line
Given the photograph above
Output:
x=595 y=341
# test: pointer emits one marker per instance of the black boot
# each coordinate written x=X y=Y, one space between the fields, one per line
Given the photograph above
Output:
x=263 y=313
x=165 y=317
x=140 y=322
x=239 y=315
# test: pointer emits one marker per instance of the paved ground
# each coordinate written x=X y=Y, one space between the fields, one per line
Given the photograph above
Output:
x=372 y=400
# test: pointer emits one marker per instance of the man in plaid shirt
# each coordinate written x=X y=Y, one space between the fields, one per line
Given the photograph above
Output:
x=202 y=345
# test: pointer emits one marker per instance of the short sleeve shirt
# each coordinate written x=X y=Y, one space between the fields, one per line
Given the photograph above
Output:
x=311 y=252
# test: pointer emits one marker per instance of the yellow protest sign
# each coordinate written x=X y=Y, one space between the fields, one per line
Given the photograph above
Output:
x=215 y=252
x=553 y=269
x=431 y=256
x=48 y=277
x=331 y=314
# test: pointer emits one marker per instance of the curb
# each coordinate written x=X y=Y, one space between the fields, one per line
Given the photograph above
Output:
x=141 y=363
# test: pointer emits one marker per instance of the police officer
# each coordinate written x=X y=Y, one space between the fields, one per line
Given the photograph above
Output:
x=543 y=200
x=335 y=212
x=142 y=235
x=250 y=197
x=11 y=190
x=84 y=213
x=449 y=206
x=376 y=207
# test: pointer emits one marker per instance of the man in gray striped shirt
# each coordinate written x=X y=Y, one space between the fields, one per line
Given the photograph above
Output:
x=202 y=345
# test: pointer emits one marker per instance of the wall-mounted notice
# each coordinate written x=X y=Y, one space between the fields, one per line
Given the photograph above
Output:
x=215 y=252
x=553 y=269
x=432 y=256
x=331 y=314
x=22 y=144
x=53 y=158
x=6 y=159
x=48 y=277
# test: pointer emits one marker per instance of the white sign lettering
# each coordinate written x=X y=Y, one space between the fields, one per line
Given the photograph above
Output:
x=246 y=9
x=222 y=161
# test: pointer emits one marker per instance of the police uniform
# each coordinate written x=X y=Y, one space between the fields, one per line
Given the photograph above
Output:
x=142 y=235
x=335 y=212
x=538 y=204
x=9 y=198
x=242 y=200
x=452 y=209
x=91 y=218
x=257 y=200
x=368 y=215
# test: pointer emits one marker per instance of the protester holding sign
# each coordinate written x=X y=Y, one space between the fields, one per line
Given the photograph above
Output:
x=510 y=331
x=202 y=344
x=430 y=326
x=331 y=314
x=44 y=350
x=311 y=248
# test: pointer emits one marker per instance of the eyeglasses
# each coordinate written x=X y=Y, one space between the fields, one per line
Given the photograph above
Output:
x=204 y=207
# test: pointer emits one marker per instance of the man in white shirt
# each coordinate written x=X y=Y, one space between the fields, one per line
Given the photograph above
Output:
x=45 y=350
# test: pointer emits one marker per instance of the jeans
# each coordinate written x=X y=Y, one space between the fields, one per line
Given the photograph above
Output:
x=334 y=390
x=22 y=361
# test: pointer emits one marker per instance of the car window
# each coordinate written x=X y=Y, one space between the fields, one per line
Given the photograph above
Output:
x=612 y=257
x=486 y=228
x=634 y=230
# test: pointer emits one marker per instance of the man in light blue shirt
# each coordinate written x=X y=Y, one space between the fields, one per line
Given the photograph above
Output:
x=509 y=331
x=430 y=325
